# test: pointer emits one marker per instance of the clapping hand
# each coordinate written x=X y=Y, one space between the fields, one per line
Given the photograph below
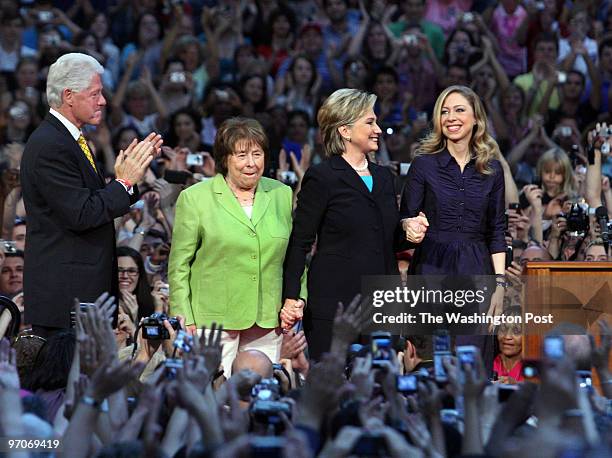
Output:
x=132 y=163
x=415 y=228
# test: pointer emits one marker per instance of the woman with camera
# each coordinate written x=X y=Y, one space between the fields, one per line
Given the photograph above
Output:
x=347 y=204
x=228 y=246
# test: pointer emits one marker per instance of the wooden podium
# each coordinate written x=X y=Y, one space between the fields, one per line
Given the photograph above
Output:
x=573 y=292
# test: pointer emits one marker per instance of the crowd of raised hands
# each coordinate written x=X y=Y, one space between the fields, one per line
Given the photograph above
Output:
x=169 y=398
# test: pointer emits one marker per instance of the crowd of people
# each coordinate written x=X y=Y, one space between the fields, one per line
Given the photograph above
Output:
x=296 y=135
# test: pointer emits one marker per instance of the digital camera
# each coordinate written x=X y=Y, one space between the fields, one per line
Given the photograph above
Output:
x=153 y=326
x=266 y=406
x=578 y=220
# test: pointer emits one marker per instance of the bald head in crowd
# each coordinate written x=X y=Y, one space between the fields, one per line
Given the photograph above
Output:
x=254 y=360
x=535 y=253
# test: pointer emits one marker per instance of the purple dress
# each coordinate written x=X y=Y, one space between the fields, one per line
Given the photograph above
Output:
x=466 y=225
x=465 y=213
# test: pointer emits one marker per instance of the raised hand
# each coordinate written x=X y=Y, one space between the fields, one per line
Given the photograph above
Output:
x=211 y=348
x=132 y=163
x=362 y=377
x=111 y=377
x=293 y=344
x=347 y=325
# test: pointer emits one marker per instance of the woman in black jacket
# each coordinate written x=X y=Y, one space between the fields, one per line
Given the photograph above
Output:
x=348 y=205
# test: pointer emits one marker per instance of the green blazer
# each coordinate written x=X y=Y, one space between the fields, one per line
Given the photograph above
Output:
x=225 y=267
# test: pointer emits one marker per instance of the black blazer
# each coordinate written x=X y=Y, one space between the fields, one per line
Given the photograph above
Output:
x=356 y=231
x=70 y=249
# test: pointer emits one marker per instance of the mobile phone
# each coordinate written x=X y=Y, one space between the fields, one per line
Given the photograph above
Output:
x=10 y=246
x=514 y=206
x=585 y=380
x=442 y=345
x=466 y=355
x=45 y=16
x=410 y=39
x=509 y=255
x=194 y=159
x=554 y=347
x=565 y=131
x=504 y=392
x=561 y=77
x=176 y=176
x=381 y=348
x=177 y=77
x=172 y=366
x=370 y=444
x=271 y=446
x=407 y=384
x=222 y=95
x=440 y=374
x=531 y=368
x=403 y=168
x=442 y=341
x=289 y=177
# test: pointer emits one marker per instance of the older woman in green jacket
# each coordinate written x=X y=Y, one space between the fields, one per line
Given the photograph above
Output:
x=228 y=246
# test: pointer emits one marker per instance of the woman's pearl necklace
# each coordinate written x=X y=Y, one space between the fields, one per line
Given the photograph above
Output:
x=363 y=168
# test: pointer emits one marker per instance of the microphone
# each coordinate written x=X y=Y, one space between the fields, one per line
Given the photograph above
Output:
x=601 y=214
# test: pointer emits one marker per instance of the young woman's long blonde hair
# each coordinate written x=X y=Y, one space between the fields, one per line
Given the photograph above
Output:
x=482 y=145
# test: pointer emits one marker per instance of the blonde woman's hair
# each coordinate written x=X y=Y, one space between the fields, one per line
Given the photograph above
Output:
x=342 y=108
x=557 y=158
x=482 y=145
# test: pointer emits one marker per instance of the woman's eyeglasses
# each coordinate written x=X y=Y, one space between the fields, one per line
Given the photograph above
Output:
x=131 y=272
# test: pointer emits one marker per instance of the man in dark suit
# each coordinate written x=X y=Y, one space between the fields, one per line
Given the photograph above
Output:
x=71 y=237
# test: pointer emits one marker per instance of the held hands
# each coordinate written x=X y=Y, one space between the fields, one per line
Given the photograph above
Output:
x=132 y=163
x=415 y=228
x=292 y=312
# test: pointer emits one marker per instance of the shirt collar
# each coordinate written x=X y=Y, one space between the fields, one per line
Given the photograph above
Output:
x=444 y=158
x=74 y=130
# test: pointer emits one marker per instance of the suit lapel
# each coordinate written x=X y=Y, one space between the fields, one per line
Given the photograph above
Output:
x=228 y=201
x=80 y=155
x=349 y=176
x=262 y=200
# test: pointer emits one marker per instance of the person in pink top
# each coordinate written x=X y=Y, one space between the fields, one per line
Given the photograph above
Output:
x=505 y=21
x=446 y=13
x=508 y=364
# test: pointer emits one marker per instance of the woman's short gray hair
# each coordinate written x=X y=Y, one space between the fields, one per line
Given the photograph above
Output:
x=72 y=71
x=342 y=108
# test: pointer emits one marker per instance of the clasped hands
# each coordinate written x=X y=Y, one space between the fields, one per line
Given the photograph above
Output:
x=415 y=228
x=292 y=312
x=132 y=164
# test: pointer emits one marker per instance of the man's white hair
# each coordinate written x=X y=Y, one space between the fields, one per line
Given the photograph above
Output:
x=72 y=71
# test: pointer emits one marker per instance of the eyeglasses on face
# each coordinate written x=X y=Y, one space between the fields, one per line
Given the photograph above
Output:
x=131 y=272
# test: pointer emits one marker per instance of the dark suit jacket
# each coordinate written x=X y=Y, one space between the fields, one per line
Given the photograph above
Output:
x=70 y=249
x=356 y=233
